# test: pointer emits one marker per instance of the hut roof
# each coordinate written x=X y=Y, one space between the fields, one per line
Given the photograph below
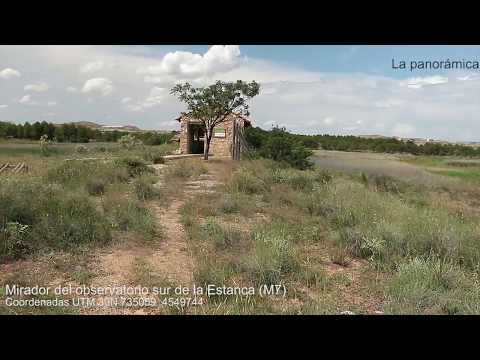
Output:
x=187 y=115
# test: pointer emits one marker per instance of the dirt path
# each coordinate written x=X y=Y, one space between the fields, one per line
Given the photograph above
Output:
x=165 y=261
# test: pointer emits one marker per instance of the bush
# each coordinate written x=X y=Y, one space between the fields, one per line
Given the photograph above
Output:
x=73 y=173
x=155 y=157
x=235 y=203
x=221 y=236
x=144 y=189
x=152 y=138
x=95 y=187
x=273 y=255
x=135 y=166
x=185 y=169
x=244 y=181
x=129 y=215
x=14 y=236
x=130 y=142
x=339 y=255
x=49 y=216
x=81 y=149
x=281 y=146
x=434 y=286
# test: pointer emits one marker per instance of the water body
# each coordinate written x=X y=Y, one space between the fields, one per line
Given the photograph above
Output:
x=371 y=164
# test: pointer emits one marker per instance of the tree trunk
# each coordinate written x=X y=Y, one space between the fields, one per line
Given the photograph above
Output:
x=206 y=144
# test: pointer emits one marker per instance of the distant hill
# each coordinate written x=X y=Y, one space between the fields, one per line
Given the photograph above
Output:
x=100 y=127
x=87 y=124
x=373 y=137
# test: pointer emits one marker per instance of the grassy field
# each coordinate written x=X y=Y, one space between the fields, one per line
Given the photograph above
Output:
x=338 y=242
x=468 y=170
x=363 y=233
x=61 y=210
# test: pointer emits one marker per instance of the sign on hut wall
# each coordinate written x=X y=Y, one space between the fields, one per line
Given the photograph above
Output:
x=219 y=132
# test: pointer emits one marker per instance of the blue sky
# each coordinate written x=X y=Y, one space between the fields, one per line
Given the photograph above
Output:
x=373 y=59
x=308 y=89
x=361 y=59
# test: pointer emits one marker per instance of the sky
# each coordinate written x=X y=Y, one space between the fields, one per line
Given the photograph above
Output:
x=307 y=89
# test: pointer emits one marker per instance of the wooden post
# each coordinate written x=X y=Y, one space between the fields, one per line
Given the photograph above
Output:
x=236 y=142
x=234 y=138
x=240 y=138
x=4 y=167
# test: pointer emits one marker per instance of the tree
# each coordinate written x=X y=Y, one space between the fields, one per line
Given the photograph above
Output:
x=283 y=147
x=213 y=104
x=130 y=142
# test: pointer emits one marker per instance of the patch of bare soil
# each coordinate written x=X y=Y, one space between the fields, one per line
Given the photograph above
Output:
x=355 y=285
x=172 y=258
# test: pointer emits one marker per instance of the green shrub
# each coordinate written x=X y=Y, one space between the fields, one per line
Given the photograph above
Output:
x=244 y=181
x=273 y=255
x=95 y=187
x=154 y=157
x=81 y=149
x=129 y=215
x=184 y=169
x=434 y=286
x=281 y=146
x=213 y=273
x=339 y=255
x=54 y=217
x=314 y=278
x=130 y=142
x=74 y=173
x=232 y=203
x=14 y=240
x=135 y=166
x=221 y=236
x=144 y=189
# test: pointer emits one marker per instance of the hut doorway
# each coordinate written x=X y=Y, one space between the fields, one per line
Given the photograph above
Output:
x=196 y=136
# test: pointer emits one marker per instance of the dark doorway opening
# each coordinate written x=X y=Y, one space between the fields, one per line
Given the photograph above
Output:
x=196 y=133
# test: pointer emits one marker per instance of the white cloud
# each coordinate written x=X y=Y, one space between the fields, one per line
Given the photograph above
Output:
x=101 y=86
x=403 y=129
x=3 y=106
x=328 y=120
x=268 y=90
x=156 y=97
x=419 y=82
x=388 y=103
x=71 y=89
x=184 y=64
x=27 y=100
x=126 y=100
x=52 y=103
x=92 y=66
x=469 y=77
x=9 y=73
x=38 y=87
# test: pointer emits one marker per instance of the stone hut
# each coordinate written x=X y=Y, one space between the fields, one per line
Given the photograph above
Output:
x=224 y=138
